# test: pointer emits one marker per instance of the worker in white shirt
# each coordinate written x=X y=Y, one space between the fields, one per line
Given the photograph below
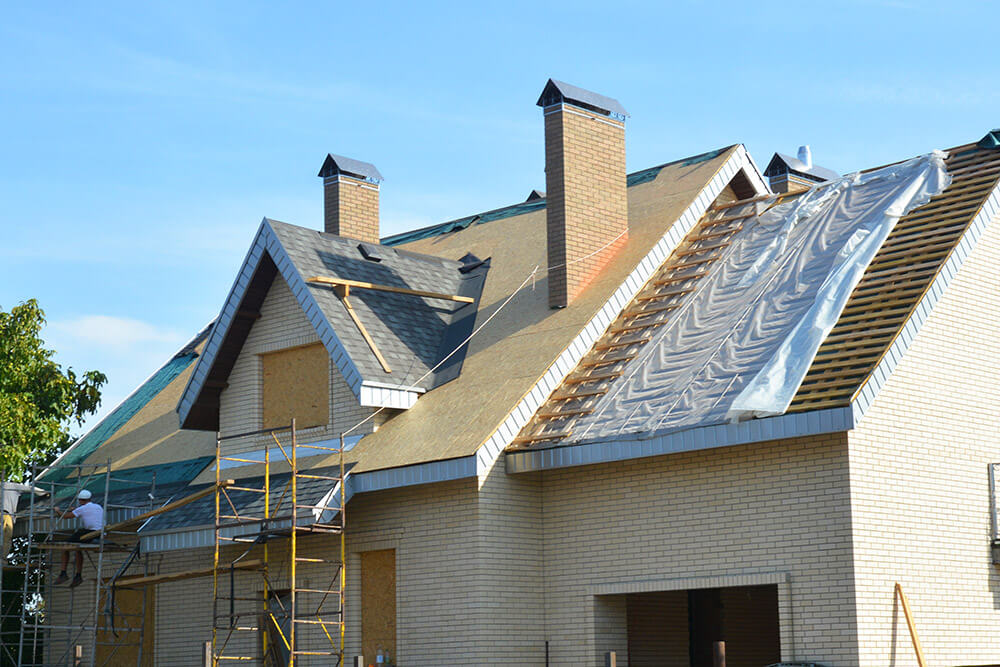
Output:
x=11 y=492
x=91 y=515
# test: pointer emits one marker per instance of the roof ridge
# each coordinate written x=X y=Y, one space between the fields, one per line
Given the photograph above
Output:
x=635 y=178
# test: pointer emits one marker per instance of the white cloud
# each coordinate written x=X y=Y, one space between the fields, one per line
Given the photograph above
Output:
x=114 y=332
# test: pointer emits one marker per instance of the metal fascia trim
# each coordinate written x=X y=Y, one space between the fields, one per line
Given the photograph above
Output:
x=703 y=437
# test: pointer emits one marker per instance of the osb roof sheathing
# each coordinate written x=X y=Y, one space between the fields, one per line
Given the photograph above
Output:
x=512 y=353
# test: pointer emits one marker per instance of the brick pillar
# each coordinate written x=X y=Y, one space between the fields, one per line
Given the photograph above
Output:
x=586 y=202
x=350 y=198
x=350 y=208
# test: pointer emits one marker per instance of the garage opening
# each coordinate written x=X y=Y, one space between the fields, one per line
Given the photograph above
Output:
x=680 y=628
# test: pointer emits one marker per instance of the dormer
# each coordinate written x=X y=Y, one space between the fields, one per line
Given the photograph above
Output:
x=387 y=320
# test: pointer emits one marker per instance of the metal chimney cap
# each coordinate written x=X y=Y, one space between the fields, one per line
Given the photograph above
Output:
x=806 y=156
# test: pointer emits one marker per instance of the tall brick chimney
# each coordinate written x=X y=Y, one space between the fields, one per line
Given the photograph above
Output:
x=350 y=198
x=586 y=204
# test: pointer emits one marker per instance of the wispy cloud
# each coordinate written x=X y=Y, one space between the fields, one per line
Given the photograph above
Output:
x=951 y=94
x=114 y=332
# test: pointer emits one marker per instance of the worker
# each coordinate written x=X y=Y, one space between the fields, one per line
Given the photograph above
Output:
x=91 y=515
x=11 y=492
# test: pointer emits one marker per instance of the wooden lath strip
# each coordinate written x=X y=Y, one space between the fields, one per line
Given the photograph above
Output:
x=610 y=345
x=343 y=291
x=539 y=437
x=707 y=236
x=563 y=414
x=691 y=250
x=651 y=310
x=603 y=360
x=581 y=379
x=343 y=282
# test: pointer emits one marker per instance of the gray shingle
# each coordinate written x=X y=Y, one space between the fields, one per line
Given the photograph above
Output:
x=411 y=332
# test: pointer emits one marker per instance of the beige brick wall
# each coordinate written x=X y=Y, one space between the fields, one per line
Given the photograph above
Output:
x=586 y=202
x=282 y=325
x=510 y=601
x=433 y=530
x=351 y=208
x=765 y=508
x=919 y=485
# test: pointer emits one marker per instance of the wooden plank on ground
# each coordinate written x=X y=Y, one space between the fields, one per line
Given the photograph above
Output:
x=910 y=624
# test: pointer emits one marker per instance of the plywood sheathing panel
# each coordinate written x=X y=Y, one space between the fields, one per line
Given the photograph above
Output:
x=378 y=603
x=296 y=385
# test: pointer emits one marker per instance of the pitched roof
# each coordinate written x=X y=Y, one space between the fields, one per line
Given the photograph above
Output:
x=898 y=280
x=142 y=429
x=413 y=333
x=528 y=339
x=798 y=166
x=896 y=275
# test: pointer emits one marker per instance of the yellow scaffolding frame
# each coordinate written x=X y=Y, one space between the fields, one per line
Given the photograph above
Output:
x=277 y=520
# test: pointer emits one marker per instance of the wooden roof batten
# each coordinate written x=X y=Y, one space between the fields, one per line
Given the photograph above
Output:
x=898 y=280
x=663 y=295
x=874 y=316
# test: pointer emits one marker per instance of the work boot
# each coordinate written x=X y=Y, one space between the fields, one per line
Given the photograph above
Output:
x=62 y=578
x=77 y=580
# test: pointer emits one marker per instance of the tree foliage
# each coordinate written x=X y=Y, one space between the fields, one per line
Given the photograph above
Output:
x=38 y=399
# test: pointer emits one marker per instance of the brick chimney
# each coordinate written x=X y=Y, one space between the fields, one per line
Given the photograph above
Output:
x=350 y=198
x=586 y=203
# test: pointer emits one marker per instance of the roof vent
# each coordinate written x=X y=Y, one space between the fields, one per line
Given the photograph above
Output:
x=371 y=252
x=470 y=262
x=535 y=195
x=806 y=156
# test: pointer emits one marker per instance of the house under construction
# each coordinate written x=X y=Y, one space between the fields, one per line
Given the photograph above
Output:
x=646 y=418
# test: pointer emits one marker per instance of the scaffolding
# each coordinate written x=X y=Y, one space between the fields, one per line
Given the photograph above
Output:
x=42 y=624
x=286 y=619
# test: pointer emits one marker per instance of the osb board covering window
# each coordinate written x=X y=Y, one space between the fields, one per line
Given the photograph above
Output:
x=378 y=604
x=122 y=647
x=296 y=385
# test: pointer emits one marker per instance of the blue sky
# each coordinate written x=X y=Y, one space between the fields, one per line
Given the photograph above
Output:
x=143 y=144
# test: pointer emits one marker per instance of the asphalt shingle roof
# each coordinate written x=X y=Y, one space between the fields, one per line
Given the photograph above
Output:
x=411 y=332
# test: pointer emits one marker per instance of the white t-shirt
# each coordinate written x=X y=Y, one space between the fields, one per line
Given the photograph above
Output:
x=91 y=515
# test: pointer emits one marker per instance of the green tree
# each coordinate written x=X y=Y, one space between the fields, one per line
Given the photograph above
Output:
x=38 y=399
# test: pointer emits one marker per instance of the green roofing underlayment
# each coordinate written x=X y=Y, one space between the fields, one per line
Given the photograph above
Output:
x=143 y=478
x=108 y=426
x=644 y=176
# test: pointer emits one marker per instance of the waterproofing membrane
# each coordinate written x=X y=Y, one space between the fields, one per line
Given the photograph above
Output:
x=741 y=344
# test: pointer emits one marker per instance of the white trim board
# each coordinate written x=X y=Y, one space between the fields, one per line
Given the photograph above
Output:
x=739 y=161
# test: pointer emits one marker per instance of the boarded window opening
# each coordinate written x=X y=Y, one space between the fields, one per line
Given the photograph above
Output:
x=378 y=604
x=296 y=386
x=126 y=628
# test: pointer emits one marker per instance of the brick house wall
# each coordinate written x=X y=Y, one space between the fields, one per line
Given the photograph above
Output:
x=919 y=486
